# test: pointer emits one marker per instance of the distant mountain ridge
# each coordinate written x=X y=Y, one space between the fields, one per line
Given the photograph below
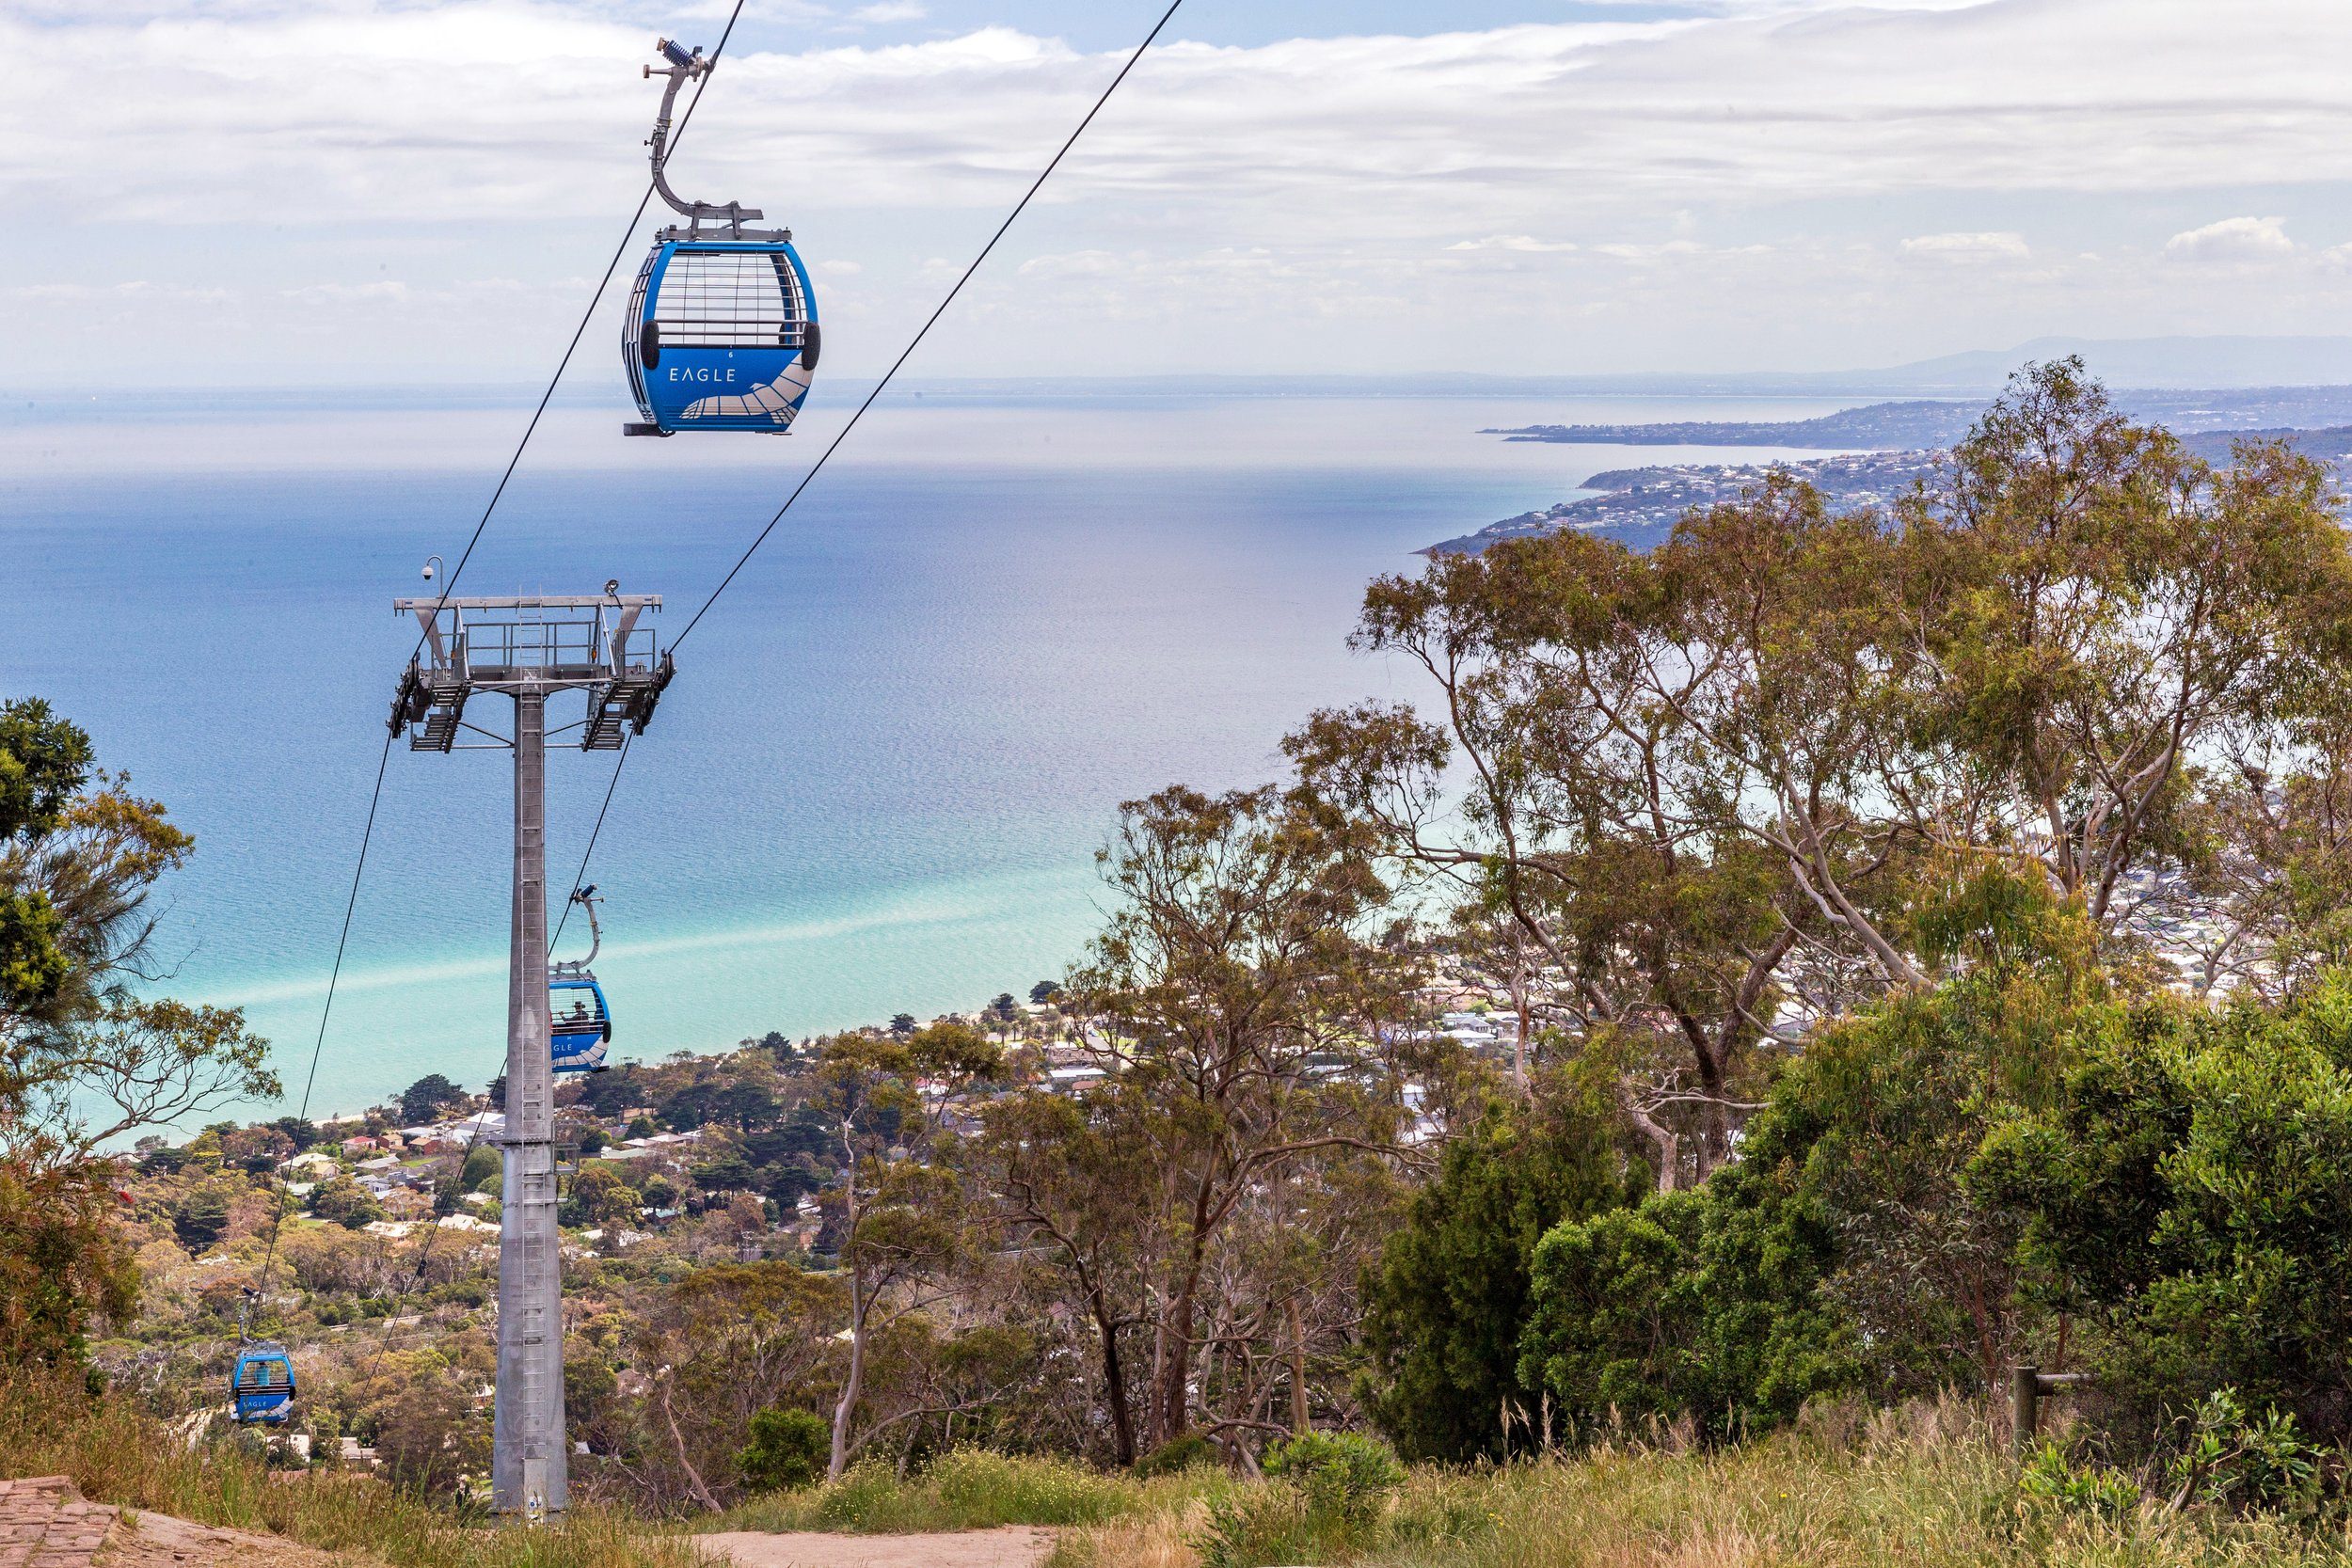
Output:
x=2153 y=363
x=1892 y=426
x=2163 y=364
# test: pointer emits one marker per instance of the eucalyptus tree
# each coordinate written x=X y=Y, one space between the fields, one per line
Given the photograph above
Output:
x=1073 y=1187
x=1714 y=784
x=85 y=1061
x=1249 y=1017
x=2116 y=639
x=903 y=1220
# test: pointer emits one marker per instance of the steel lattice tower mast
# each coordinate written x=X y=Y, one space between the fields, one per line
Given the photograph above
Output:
x=530 y=649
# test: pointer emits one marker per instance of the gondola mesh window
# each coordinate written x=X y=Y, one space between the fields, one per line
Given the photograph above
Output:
x=730 y=299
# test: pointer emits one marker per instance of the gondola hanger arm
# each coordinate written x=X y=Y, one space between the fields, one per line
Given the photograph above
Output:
x=687 y=66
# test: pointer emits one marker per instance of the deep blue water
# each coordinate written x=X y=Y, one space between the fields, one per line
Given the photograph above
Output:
x=890 y=752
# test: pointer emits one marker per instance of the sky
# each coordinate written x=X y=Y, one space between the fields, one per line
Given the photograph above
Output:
x=395 y=192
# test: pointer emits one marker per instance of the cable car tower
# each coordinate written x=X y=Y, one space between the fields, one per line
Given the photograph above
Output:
x=530 y=649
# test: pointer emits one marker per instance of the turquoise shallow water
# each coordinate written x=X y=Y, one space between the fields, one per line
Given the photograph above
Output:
x=890 y=752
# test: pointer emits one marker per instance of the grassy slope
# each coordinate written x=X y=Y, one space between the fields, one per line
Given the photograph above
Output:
x=1926 y=1487
x=118 y=1454
x=1919 y=1489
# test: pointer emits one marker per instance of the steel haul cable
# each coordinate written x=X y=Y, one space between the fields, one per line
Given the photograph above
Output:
x=376 y=796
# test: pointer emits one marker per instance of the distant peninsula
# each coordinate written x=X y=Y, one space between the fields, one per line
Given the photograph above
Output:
x=1875 y=425
x=1640 y=506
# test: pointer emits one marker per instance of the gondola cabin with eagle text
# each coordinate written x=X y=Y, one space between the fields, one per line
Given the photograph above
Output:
x=721 y=332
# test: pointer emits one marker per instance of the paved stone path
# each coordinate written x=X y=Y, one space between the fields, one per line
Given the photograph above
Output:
x=45 y=1524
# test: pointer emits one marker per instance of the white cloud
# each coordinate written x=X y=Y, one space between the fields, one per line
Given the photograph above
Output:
x=1623 y=252
x=1526 y=243
x=890 y=10
x=377 y=108
x=138 y=289
x=1998 y=247
x=2233 y=240
x=1725 y=176
x=380 y=291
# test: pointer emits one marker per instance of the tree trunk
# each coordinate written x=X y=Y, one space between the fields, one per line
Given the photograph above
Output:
x=1171 y=1401
x=1115 y=1385
x=1298 y=1370
x=693 y=1477
x=1667 y=1141
x=853 y=1383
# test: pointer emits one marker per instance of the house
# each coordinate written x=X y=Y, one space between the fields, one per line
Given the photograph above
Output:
x=1062 y=1079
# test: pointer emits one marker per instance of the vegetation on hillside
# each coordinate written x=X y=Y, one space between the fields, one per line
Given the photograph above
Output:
x=1901 y=945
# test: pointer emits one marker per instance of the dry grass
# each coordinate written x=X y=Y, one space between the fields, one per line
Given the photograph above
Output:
x=1923 y=1488
x=968 y=1489
x=1158 y=1540
x=118 y=1455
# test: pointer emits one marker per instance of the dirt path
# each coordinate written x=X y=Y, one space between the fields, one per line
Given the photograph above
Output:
x=1013 y=1547
x=44 y=1523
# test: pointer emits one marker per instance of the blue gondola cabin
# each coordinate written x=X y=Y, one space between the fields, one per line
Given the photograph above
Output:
x=580 y=1024
x=722 y=330
x=722 y=335
x=262 y=1384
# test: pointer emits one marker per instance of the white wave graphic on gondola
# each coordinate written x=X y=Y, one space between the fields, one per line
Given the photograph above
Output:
x=778 y=401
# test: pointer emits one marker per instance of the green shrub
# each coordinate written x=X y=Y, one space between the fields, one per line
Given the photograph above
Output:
x=1324 y=1501
x=1851 y=1247
x=787 y=1450
x=1255 y=1526
x=981 y=1489
x=2187 y=1201
x=1446 y=1302
x=1339 y=1474
x=2232 y=1457
x=2050 y=1477
x=1177 y=1455
x=1707 y=1305
x=866 y=1498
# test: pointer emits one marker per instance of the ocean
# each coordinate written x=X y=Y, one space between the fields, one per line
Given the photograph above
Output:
x=891 y=751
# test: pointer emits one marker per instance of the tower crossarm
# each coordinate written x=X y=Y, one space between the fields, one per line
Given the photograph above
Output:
x=543 y=642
